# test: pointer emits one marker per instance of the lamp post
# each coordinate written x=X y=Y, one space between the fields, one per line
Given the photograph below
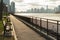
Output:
x=6 y=10
x=1 y=9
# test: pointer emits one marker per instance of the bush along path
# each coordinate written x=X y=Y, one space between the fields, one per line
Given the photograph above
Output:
x=7 y=29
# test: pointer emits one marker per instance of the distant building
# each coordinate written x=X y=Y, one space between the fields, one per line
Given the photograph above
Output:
x=42 y=10
x=9 y=9
x=58 y=9
x=13 y=7
x=55 y=9
x=7 y=3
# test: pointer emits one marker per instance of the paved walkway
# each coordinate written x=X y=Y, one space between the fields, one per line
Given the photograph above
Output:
x=23 y=32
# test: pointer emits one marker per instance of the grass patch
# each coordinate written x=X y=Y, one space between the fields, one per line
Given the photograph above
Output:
x=1 y=37
x=1 y=26
x=1 y=30
x=6 y=38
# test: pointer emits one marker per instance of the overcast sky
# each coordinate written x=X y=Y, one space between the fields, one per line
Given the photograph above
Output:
x=26 y=4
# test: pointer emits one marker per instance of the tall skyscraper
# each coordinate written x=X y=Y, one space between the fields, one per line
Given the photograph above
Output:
x=7 y=2
x=13 y=7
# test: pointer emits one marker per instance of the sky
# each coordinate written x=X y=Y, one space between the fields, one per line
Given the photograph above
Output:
x=23 y=5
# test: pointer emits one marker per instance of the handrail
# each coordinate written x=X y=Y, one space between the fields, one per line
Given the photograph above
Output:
x=48 y=25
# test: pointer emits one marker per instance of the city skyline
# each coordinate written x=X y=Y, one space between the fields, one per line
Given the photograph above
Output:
x=27 y=4
x=23 y=5
x=43 y=10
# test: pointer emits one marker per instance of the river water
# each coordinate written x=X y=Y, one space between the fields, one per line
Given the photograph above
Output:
x=52 y=25
x=55 y=16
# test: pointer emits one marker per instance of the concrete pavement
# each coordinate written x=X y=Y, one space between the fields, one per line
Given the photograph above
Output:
x=23 y=32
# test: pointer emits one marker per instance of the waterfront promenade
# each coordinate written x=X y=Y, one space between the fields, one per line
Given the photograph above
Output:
x=23 y=32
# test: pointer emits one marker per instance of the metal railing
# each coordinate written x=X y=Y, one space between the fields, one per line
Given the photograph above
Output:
x=53 y=31
x=49 y=26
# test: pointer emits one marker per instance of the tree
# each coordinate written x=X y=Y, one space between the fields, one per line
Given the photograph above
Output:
x=1 y=9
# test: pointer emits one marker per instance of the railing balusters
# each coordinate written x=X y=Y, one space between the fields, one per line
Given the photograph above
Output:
x=40 y=23
x=32 y=20
x=36 y=20
x=57 y=30
x=47 y=26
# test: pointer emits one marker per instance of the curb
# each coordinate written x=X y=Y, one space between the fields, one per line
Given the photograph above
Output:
x=13 y=32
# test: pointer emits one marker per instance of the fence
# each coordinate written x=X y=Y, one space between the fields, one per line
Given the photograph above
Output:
x=51 y=27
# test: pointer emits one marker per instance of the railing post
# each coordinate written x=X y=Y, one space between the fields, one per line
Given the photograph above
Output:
x=47 y=26
x=57 y=29
x=36 y=20
x=32 y=20
x=40 y=23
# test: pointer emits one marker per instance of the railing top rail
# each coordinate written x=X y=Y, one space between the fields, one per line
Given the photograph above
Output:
x=47 y=19
x=51 y=19
x=42 y=18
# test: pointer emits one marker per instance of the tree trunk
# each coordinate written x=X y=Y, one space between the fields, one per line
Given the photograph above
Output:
x=1 y=9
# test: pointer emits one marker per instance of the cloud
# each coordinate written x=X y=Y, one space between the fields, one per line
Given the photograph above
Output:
x=54 y=0
x=18 y=0
x=26 y=4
